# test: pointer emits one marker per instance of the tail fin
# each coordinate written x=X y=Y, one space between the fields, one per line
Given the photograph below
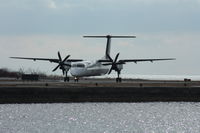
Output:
x=108 y=47
x=108 y=44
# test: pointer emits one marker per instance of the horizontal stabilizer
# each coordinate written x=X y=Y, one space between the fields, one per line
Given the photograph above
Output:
x=110 y=36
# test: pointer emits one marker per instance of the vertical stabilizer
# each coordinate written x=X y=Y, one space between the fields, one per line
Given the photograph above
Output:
x=107 y=53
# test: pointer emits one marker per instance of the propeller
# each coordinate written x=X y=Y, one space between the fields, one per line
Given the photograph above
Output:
x=61 y=63
x=113 y=63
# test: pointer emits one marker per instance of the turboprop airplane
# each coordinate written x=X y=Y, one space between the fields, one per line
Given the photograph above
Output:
x=84 y=68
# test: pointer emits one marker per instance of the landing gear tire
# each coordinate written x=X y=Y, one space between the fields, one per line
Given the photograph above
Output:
x=66 y=79
x=75 y=79
x=118 y=80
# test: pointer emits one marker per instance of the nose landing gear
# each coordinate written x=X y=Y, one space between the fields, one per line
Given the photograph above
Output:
x=76 y=79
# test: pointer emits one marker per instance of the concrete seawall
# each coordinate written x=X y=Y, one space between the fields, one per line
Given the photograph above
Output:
x=56 y=94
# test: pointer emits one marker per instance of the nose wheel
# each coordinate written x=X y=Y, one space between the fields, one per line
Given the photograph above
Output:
x=76 y=79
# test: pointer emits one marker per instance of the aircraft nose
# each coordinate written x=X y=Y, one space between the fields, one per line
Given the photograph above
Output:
x=76 y=72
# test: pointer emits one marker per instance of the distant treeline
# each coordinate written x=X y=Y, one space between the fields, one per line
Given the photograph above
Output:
x=4 y=72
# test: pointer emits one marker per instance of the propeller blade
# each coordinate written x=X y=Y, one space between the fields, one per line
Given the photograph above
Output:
x=116 y=58
x=63 y=71
x=61 y=63
x=110 y=70
x=62 y=68
x=60 y=59
x=66 y=58
x=56 y=68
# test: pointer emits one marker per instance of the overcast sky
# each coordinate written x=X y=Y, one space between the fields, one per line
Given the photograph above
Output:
x=164 y=28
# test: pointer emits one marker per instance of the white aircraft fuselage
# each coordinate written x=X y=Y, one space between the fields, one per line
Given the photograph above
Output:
x=88 y=68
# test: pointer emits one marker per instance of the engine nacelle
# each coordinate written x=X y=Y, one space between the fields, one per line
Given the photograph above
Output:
x=120 y=66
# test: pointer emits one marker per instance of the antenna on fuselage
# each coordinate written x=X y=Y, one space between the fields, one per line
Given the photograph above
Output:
x=108 y=44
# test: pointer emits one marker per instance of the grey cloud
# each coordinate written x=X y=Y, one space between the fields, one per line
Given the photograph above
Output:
x=72 y=17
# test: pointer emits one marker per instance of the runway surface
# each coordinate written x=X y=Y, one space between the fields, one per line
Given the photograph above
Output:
x=97 y=90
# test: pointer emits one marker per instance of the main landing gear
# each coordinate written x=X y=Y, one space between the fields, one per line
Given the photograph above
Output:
x=66 y=79
x=118 y=79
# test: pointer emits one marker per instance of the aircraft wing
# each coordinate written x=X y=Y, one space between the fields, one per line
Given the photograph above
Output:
x=46 y=59
x=123 y=61
x=104 y=61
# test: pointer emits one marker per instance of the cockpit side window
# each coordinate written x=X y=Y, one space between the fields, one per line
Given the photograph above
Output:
x=78 y=65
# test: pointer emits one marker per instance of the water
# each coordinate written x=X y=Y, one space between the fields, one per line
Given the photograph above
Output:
x=101 y=118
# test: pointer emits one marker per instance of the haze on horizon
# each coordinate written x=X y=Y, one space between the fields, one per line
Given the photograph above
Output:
x=41 y=28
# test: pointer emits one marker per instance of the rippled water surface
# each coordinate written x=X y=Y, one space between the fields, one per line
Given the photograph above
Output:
x=100 y=117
